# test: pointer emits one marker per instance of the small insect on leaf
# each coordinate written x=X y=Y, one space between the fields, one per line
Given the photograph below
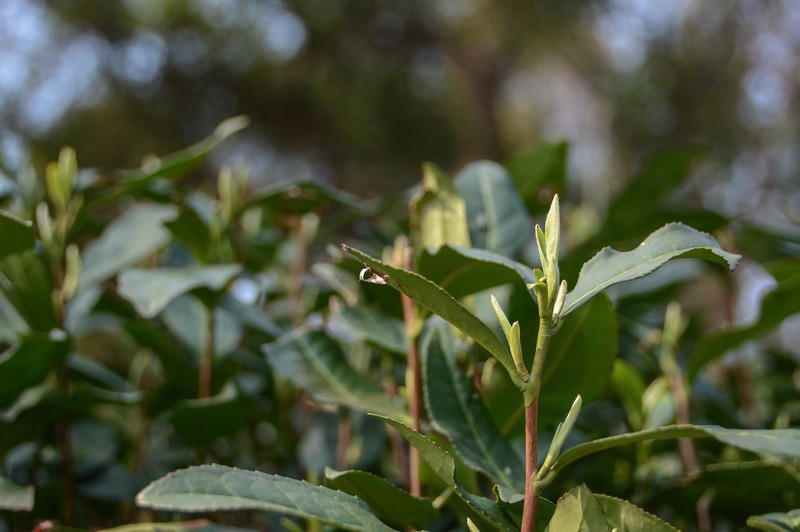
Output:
x=373 y=278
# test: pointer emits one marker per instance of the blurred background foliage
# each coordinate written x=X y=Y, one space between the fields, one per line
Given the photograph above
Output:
x=359 y=93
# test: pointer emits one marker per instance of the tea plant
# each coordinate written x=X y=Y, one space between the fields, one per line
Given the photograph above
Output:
x=150 y=326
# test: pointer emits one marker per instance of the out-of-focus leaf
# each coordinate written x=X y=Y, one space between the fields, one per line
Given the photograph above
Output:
x=580 y=359
x=438 y=213
x=610 y=267
x=188 y=319
x=184 y=161
x=299 y=196
x=135 y=235
x=464 y=271
x=390 y=503
x=776 y=522
x=778 y=304
x=178 y=364
x=496 y=217
x=28 y=363
x=315 y=363
x=16 y=235
x=191 y=229
x=444 y=466
x=214 y=488
x=31 y=416
x=375 y=326
x=456 y=412
x=539 y=173
x=771 y=485
x=437 y=300
x=201 y=421
x=252 y=316
x=196 y=525
x=15 y=498
x=629 y=387
x=12 y=326
x=150 y=290
x=29 y=289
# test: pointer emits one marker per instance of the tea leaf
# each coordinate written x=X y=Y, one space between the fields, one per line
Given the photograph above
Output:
x=315 y=363
x=459 y=414
x=389 y=502
x=439 y=301
x=610 y=267
x=150 y=290
x=15 y=234
x=496 y=216
x=218 y=488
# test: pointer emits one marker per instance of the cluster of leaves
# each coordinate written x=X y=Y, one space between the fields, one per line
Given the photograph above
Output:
x=148 y=327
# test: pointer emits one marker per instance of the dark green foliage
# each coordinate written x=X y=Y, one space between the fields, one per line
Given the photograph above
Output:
x=147 y=327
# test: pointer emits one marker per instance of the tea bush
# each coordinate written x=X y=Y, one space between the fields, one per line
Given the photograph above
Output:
x=170 y=349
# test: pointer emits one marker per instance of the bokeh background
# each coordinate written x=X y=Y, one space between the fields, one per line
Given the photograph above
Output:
x=360 y=93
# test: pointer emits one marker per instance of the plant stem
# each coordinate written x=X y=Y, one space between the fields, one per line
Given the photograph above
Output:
x=414 y=378
x=531 y=502
x=531 y=462
x=206 y=378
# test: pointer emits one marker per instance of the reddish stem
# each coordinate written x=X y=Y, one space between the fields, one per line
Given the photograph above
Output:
x=531 y=463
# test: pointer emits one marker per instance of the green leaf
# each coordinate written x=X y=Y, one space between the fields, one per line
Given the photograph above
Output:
x=16 y=235
x=214 y=488
x=440 y=302
x=316 y=364
x=456 y=412
x=184 y=161
x=201 y=421
x=15 y=498
x=299 y=196
x=251 y=316
x=390 y=503
x=541 y=169
x=578 y=510
x=777 y=305
x=12 y=325
x=375 y=326
x=629 y=386
x=767 y=481
x=464 y=271
x=783 y=442
x=580 y=359
x=29 y=289
x=189 y=320
x=150 y=290
x=444 y=466
x=131 y=238
x=624 y=515
x=776 y=522
x=438 y=213
x=610 y=267
x=195 y=525
x=496 y=217
x=27 y=364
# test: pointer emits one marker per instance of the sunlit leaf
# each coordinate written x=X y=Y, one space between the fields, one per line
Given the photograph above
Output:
x=15 y=498
x=610 y=267
x=438 y=212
